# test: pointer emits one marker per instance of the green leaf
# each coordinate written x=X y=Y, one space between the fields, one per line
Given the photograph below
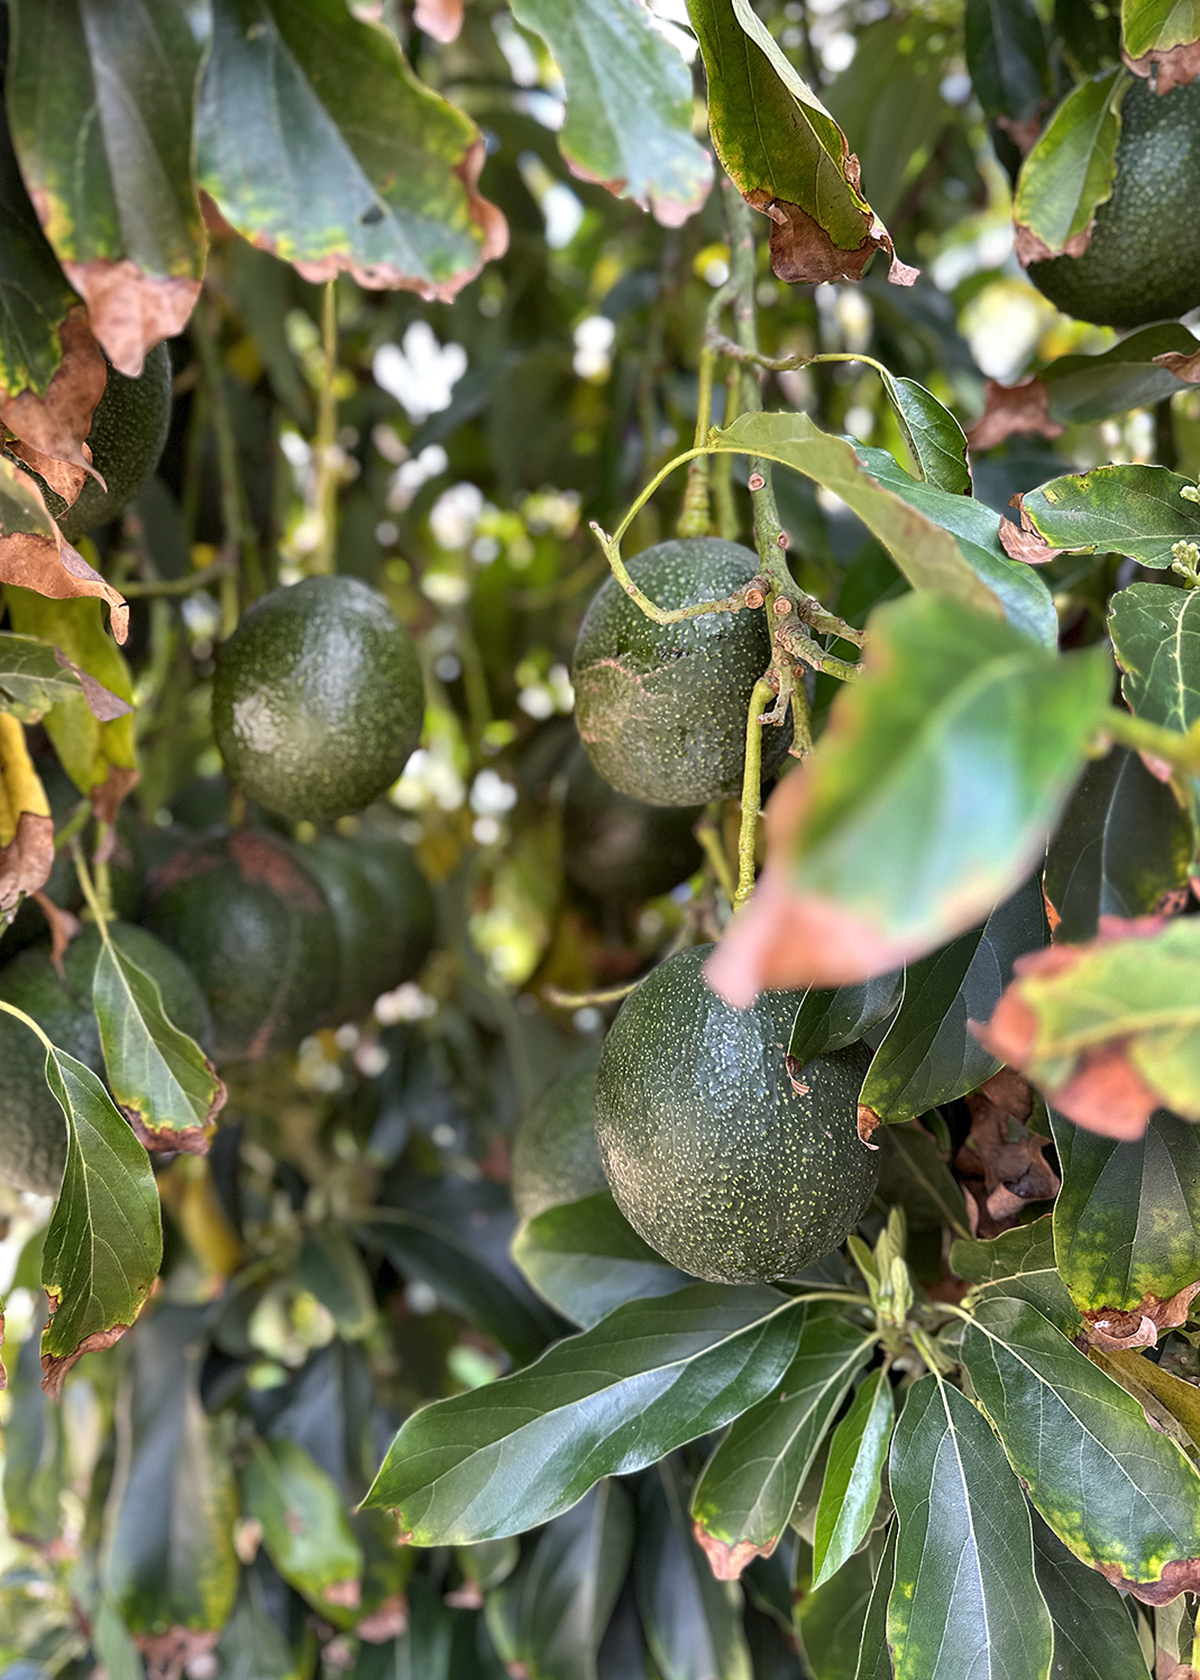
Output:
x=749 y=1487
x=913 y=1175
x=1007 y=58
x=35 y=1460
x=1018 y=1264
x=161 y=1079
x=318 y=143
x=874 y=1656
x=828 y=1020
x=929 y=1054
x=34 y=677
x=1094 y=1635
x=830 y=1619
x=169 y=1558
x=1120 y=1495
x=1156 y=26
x=330 y=1267
x=424 y=1651
x=853 y=1474
x=574 y=1576
x=35 y=297
x=104 y=1242
x=100 y=103
x=1131 y=510
x=1070 y=171
x=1122 y=849
x=1127 y=1220
x=586 y=1260
x=251 y=1647
x=304 y=1528
x=1087 y=388
x=649 y=1377
x=1155 y=633
x=629 y=103
x=932 y=436
x=964 y=1581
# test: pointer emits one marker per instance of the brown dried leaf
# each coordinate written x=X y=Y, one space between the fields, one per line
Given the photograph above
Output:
x=1031 y=248
x=63 y=928
x=56 y=1366
x=170 y=1655
x=1182 y=366
x=1010 y=409
x=53 y=427
x=801 y=250
x=441 y=19
x=726 y=1561
x=1167 y=68
x=103 y=704
x=1179 y=1576
x=130 y=310
x=868 y=1124
x=26 y=862
x=1022 y=542
x=1002 y=1164
x=51 y=567
x=64 y=479
x=107 y=800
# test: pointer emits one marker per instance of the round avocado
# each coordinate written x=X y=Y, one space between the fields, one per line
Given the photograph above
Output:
x=623 y=849
x=383 y=913
x=1143 y=261
x=129 y=429
x=33 y=1136
x=712 y=1155
x=554 y=1157
x=318 y=699
x=251 y=921
x=661 y=708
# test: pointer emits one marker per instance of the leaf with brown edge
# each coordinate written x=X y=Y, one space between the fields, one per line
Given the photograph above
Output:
x=1108 y=1030
x=1010 y=410
x=1160 y=41
x=1185 y=367
x=1070 y=172
x=35 y=555
x=51 y=429
x=1022 y=541
x=440 y=19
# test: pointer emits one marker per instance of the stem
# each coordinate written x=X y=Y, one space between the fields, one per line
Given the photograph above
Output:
x=708 y=833
x=1181 y=752
x=179 y=586
x=936 y=1362
x=751 y=791
x=27 y=1021
x=98 y=902
x=325 y=442
x=580 y=1000
x=695 y=519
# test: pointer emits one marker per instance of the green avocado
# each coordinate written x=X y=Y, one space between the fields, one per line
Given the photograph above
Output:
x=622 y=849
x=252 y=923
x=554 y=1158
x=1143 y=261
x=318 y=699
x=382 y=910
x=33 y=1136
x=712 y=1154
x=661 y=708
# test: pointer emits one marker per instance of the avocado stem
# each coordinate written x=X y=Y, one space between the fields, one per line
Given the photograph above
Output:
x=764 y=691
x=708 y=835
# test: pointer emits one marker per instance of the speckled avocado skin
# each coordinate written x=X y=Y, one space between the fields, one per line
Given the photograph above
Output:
x=1143 y=262
x=129 y=429
x=711 y=1155
x=554 y=1157
x=33 y=1134
x=661 y=708
x=318 y=699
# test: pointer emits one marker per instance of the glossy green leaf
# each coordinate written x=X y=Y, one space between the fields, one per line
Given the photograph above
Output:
x=829 y=1619
x=1120 y=1495
x=1007 y=57
x=629 y=103
x=828 y=1020
x=1158 y=25
x=585 y=1259
x=858 y=1451
x=161 y=1079
x=318 y=143
x=1122 y=848
x=34 y=677
x=251 y=1647
x=100 y=103
x=304 y=1528
x=1133 y=510
x=1156 y=636
x=35 y=1463
x=692 y=1621
x=575 y=1574
x=1088 y=388
x=932 y=436
x=914 y=1176
x=874 y=1657
x=104 y=1242
x=929 y=1054
x=964 y=1588
x=1018 y=1264
x=647 y=1378
x=748 y=1489
x=330 y=1267
x=1094 y=1635
x=1170 y=1400
x=1127 y=1220
x=1070 y=170
x=35 y=296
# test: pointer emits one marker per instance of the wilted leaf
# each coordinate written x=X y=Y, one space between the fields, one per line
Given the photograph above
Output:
x=693 y=1622
x=1131 y=510
x=1013 y=411
x=1002 y=1163
x=104 y=1242
x=1007 y=58
x=649 y=1377
x=1094 y=1635
x=829 y=1020
x=749 y=1487
x=1107 y=1030
x=629 y=103
x=317 y=142
x=850 y=1491
x=932 y=436
x=871 y=860
x=1019 y=1264
x=34 y=677
x=964 y=1555
x=585 y=1259
x=1136 y=373
x=35 y=555
x=1070 y=172
x=304 y=1527
x=1161 y=40
x=1120 y=1495
x=100 y=99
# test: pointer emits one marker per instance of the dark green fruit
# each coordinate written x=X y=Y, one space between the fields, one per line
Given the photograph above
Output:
x=661 y=708
x=712 y=1155
x=318 y=699
x=251 y=921
x=1143 y=261
x=554 y=1158
x=33 y=1135
x=383 y=913
x=129 y=429
x=620 y=848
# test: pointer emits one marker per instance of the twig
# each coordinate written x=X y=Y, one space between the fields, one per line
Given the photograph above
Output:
x=751 y=790
x=582 y=1000
x=325 y=442
x=708 y=834
x=184 y=585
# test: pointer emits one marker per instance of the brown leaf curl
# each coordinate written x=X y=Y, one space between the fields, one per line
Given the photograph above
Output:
x=802 y=251
x=130 y=310
x=1013 y=409
x=1002 y=1164
x=1167 y=68
x=1022 y=542
x=1183 y=366
x=26 y=862
x=51 y=429
x=726 y=1561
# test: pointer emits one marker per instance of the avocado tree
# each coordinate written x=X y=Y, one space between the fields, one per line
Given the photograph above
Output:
x=599 y=968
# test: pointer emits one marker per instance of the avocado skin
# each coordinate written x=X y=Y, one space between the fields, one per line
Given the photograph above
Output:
x=253 y=924
x=318 y=699
x=129 y=429
x=554 y=1158
x=661 y=708
x=382 y=910
x=1143 y=262
x=711 y=1155
x=33 y=1134
x=622 y=849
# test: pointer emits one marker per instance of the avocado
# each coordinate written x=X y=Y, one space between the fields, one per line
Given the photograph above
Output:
x=723 y=1165
x=622 y=849
x=554 y=1157
x=382 y=910
x=661 y=708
